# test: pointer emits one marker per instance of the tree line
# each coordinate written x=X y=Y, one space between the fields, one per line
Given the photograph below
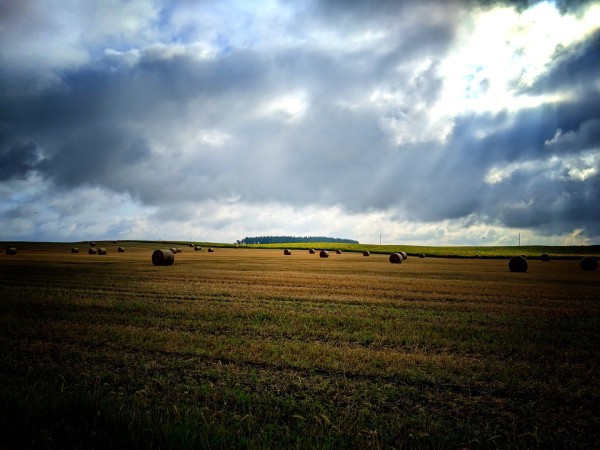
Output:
x=290 y=239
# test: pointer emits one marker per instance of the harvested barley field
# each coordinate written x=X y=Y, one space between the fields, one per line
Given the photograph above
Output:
x=250 y=348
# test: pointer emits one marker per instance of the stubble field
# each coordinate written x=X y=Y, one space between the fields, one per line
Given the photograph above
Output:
x=247 y=348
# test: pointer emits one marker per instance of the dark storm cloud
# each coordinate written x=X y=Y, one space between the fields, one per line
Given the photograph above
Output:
x=100 y=156
x=455 y=186
x=564 y=6
x=553 y=205
x=574 y=68
x=297 y=123
x=84 y=124
x=17 y=157
x=17 y=160
x=585 y=138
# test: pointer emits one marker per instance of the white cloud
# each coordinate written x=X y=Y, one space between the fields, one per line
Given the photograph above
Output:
x=288 y=106
x=579 y=167
x=500 y=51
x=217 y=120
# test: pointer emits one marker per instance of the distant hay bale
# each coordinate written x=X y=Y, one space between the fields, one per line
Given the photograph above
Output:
x=210 y=250
x=324 y=254
x=339 y=252
x=92 y=251
x=92 y=244
x=287 y=252
x=366 y=253
x=163 y=257
x=74 y=250
x=11 y=251
x=102 y=251
x=422 y=255
x=191 y=245
x=121 y=249
x=114 y=242
x=396 y=258
x=312 y=251
x=174 y=250
x=545 y=257
x=197 y=248
x=404 y=255
x=589 y=263
x=517 y=264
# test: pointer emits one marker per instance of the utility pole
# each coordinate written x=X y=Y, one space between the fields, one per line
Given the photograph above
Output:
x=519 y=239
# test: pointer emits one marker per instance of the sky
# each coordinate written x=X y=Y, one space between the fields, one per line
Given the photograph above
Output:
x=456 y=122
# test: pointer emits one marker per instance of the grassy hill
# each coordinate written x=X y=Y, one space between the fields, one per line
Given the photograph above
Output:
x=530 y=251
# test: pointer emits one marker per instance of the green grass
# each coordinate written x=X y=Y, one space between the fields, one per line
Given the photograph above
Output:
x=531 y=251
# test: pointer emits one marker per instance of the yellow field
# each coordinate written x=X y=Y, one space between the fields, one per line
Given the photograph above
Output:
x=252 y=348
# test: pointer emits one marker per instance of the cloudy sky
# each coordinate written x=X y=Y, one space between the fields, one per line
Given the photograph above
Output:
x=432 y=122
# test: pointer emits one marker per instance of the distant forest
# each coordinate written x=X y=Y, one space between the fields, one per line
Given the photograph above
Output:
x=290 y=239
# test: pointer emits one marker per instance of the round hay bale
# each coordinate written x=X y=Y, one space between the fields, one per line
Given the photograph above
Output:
x=92 y=251
x=102 y=251
x=422 y=255
x=324 y=254
x=121 y=249
x=174 y=250
x=396 y=258
x=287 y=252
x=191 y=245
x=404 y=255
x=339 y=252
x=163 y=257
x=11 y=251
x=545 y=257
x=312 y=251
x=210 y=250
x=114 y=242
x=74 y=250
x=92 y=244
x=517 y=264
x=589 y=263
x=197 y=248
x=366 y=253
